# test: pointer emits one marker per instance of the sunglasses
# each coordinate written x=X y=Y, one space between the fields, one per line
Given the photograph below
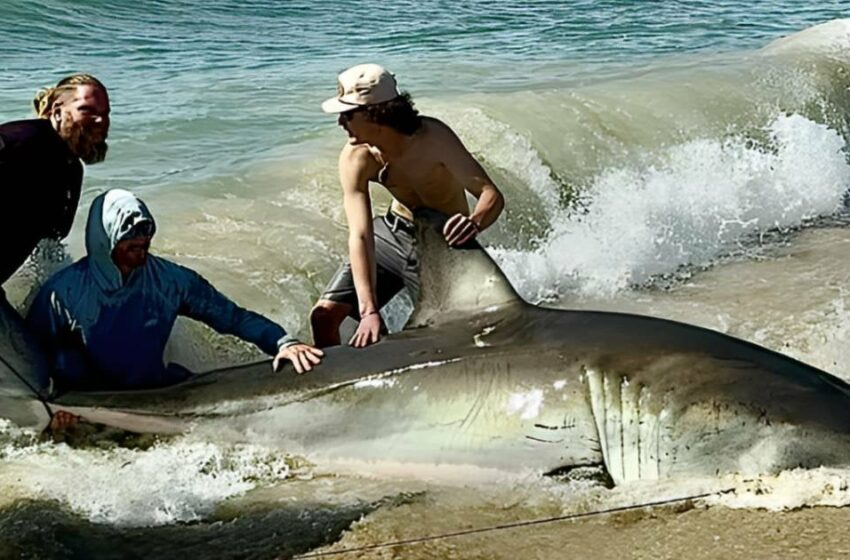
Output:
x=142 y=229
x=348 y=115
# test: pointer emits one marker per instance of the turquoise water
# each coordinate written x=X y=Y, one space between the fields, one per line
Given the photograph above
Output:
x=202 y=89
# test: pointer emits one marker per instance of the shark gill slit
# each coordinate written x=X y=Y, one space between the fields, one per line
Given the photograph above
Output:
x=627 y=429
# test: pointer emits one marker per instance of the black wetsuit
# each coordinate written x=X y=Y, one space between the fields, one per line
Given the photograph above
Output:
x=40 y=182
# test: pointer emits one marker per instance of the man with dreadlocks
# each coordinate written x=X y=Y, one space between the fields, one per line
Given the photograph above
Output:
x=40 y=181
x=40 y=170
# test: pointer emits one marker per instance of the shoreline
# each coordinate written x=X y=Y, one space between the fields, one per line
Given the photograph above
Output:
x=694 y=532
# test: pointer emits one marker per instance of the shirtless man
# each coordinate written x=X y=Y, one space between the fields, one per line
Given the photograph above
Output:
x=424 y=166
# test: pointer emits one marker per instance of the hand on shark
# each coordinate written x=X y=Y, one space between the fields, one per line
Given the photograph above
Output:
x=302 y=356
x=459 y=229
x=368 y=331
x=62 y=420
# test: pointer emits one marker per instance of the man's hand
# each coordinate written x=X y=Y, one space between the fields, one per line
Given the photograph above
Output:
x=368 y=331
x=62 y=420
x=459 y=229
x=302 y=356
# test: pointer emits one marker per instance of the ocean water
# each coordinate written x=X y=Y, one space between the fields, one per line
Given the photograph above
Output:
x=679 y=160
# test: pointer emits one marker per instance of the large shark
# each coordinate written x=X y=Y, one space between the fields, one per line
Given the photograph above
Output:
x=481 y=378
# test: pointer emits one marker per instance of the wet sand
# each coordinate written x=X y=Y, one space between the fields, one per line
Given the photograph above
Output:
x=687 y=531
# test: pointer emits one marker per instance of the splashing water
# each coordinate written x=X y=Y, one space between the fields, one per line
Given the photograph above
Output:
x=707 y=195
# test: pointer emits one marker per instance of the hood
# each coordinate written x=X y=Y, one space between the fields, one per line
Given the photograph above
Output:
x=111 y=217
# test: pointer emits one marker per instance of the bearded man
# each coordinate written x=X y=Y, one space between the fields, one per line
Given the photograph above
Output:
x=40 y=181
x=40 y=170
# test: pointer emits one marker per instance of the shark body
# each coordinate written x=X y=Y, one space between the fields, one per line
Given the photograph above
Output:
x=480 y=377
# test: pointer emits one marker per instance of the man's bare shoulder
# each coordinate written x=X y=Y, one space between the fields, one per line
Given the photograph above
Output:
x=441 y=141
x=439 y=133
x=357 y=165
x=356 y=155
x=434 y=126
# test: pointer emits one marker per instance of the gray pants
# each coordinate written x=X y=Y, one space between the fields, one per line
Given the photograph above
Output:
x=397 y=264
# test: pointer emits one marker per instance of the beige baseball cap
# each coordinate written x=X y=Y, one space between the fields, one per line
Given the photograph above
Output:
x=364 y=84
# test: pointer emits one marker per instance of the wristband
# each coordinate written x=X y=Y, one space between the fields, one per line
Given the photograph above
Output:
x=373 y=312
x=287 y=341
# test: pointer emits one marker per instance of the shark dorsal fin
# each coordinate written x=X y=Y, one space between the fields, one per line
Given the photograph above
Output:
x=454 y=280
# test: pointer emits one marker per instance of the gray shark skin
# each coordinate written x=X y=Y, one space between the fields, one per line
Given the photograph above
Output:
x=19 y=371
x=481 y=378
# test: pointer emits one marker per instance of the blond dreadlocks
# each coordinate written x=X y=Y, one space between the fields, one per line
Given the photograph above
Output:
x=49 y=98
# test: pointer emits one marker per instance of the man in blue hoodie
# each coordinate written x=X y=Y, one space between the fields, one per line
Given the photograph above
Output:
x=106 y=319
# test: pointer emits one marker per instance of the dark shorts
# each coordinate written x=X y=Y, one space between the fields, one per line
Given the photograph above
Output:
x=397 y=264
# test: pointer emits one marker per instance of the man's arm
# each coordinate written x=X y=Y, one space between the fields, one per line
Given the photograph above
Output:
x=206 y=304
x=51 y=323
x=356 y=167
x=468 y=172
x=67 y=201
x=48 y=320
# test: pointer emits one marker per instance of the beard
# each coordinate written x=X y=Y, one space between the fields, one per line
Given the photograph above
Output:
x=82 y=142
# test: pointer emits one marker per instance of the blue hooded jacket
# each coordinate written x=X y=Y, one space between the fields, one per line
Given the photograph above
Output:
x=105 y=333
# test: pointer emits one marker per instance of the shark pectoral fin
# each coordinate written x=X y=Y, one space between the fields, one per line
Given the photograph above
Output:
x=455 y=280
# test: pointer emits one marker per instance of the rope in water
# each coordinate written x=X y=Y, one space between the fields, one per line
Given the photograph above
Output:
x=35 y=392
x=514 y=525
